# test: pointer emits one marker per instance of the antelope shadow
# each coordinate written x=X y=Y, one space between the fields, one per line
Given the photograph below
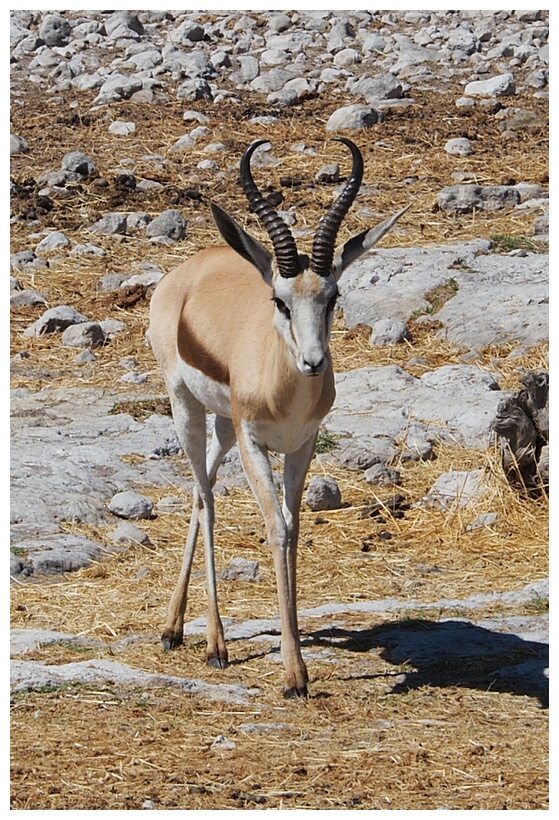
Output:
x=450 y=653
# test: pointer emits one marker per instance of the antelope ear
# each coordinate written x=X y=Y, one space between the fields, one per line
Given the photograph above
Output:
x=361 y=243
x=243 y=243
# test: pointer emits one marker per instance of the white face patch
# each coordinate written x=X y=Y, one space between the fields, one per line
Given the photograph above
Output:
x=303 y=316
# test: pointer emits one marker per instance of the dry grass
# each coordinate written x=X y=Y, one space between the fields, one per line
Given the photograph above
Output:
x=356 y=749
x=360 y=741
x=343 y=556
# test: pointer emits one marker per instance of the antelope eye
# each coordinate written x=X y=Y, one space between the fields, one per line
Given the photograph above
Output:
x=282 y=307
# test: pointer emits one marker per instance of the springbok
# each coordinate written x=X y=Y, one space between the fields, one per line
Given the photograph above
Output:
x=245 y=334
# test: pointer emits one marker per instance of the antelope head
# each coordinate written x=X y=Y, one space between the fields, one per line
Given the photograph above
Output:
x=304 y=289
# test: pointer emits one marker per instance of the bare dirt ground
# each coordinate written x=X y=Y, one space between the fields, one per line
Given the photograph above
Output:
x=373 y=734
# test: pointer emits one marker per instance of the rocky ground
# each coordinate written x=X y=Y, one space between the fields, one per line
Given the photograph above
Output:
x=427 y=577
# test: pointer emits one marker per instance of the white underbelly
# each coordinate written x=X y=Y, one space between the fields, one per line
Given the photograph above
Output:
x=213 y=395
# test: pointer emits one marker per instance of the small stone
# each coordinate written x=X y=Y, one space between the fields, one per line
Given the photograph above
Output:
x=464 y=198
x=241 y=569
x=84 y=334
x=220 y=59
x=247 y=71
x=192 y=31
x=79 y=163
x=171 y=224
x=500 y=86
x=89 y=249
x=85 y=357
x=417 y=361
x=196 y=89
x=55 y=30
x=360 y=454
x=129 y=504
x=207 y=165
x=129 y=534
x=265 y=119
x=280 y=22
x=323 y=493
x=134 y=378
x=184 y=143
x=454 y=489
x=26 y=298
x=483 y=520
x=110 y=224
x=122 y=129
x=123 y=24
x=195 y=116
x=25 y=259
x=353 y=118
x=128 y=363
x=18 y=566
x=273 y=80
x=111 y=327
x=346 y=57
x=374 y=43
x=274 y=57
x=55 y=319
x=18 y=145
x=52 y=242
x=118 y=87
x=328 y=174
x=541 y=225
x=389 y=332
x=223 y=744
x=138 y=220
x=61 y=552
x=373 y=89
x=459 y=146
x=217 y=148
x=382 y=476
x=200 y=132
x=149 y=278
x=417 y=447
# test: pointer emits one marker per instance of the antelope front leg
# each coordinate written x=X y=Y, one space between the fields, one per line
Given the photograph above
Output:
x=192 y=427
x=259 y=474
x=294 y=474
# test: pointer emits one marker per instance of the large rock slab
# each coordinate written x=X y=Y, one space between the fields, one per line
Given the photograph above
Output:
x=498 y=298
x=26 y=675
x=67 y=452
x=455 y=404
x=502 y=299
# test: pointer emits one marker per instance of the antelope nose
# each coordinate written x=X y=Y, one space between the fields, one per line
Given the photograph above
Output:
x=315 y=366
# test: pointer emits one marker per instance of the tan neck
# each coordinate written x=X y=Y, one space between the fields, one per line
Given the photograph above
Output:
x=273 y=389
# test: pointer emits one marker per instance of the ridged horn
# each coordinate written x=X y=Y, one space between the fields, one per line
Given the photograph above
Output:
x=284 y=245
x=329 y=225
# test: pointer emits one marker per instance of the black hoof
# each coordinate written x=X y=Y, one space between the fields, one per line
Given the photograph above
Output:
x=169 y=642
x=217 y=663
x=295 y=692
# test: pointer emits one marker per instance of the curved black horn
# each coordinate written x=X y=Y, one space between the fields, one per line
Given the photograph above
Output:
x=282 y=240
x=325 y=236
